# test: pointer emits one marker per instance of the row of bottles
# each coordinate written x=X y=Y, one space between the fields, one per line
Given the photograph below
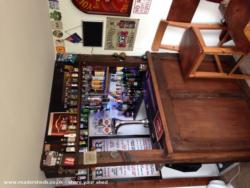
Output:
x=93 y=87
x=83 y=134
x=129 y=89
x=71 y=79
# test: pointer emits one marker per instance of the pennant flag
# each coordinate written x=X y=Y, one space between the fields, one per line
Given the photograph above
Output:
x=74 y=38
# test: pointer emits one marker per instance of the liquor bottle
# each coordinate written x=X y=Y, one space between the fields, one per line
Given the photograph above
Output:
x=65 y=147
x=130 y=70
x=68 y=149
x=75 y=69
x=99 y=73
x=69 y=144
x=85 y=111
x=86 y=77
x=58 y=140
x=73 y=97
x=73 y=103
x=74 y=80
x=83 y=149
x=83 y=125
x=74 y=75
x=72 y=110
x=128 y=113
x=72 y=119
x=86 y=86
x=83 y=138
x=71 y=127
x=99 y=78
x=83 y=143
x=84 y=120
x=74 y=91
x=84 y=132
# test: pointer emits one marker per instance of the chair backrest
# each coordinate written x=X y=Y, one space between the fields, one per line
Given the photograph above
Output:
x=237 y=17
x=182 y=10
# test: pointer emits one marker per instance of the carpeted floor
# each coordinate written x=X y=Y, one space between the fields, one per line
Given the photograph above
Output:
x=241 y=174
x=243 y=179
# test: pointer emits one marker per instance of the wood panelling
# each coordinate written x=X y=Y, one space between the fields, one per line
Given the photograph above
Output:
x=202 y=114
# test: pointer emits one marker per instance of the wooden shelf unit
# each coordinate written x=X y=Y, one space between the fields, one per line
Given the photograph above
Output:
x=203 y=120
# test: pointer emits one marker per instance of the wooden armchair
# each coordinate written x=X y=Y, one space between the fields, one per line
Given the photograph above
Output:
x=193 y=49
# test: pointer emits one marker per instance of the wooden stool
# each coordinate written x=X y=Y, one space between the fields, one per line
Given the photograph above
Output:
x=193 y=51
x=193 y=48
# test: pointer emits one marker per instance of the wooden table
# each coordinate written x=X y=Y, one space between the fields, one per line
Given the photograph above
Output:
x=204 y=120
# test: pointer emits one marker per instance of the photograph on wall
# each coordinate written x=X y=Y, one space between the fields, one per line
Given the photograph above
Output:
x=142 y=6
x=105 y=7
x=120 y=33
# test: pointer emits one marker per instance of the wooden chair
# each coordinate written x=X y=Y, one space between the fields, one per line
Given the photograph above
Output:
x=193 y=49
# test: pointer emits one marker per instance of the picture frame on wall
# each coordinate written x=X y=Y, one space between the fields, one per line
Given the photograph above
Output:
x=105 y=7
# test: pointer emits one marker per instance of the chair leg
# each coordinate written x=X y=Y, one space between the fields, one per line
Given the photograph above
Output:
x=197 y=65
x=218 y=63
x=240 y=61
x=159 y=35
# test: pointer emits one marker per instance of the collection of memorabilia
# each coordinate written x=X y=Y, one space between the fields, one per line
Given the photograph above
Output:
x=120 y=31
x=96 y=108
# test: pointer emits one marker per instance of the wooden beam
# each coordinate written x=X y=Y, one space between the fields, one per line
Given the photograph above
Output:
x=177 y=182
x=117 y=158
x=222 y=51
x=158 y=156
x=197 y=64
x=170 y=47
x=238 y=63
x=218 y=63
x=199 y=36
x=109 y=60
x=224 y=39
x=196 y=25
x=201 y=74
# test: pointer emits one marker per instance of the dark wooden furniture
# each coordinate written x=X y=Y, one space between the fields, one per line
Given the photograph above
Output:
x=201 y=116
x=203 y=120
x=237 y=16
x=193 y=48
x=180 y=11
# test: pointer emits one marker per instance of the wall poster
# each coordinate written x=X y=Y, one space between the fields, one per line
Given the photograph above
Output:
x=142 y=6
x=127 y=171
x=121 y=33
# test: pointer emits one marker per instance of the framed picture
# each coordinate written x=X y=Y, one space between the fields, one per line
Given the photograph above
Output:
x=60 y=123
x=121 y=33
x=105 y=7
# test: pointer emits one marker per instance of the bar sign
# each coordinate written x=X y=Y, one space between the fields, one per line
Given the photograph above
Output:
x=158 y=126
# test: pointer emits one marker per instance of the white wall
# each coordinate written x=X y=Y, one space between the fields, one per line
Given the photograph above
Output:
x=71 y=17
x=27 y=55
